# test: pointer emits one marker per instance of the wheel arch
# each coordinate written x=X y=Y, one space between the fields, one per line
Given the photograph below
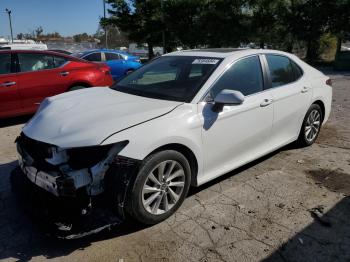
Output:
x=323 y=108
x=188 y=153
x=79 y=83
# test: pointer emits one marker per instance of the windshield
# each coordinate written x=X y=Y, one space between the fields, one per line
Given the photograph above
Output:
x=176 y=78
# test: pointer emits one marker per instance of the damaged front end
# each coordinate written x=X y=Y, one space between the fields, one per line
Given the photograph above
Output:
x=78 y=175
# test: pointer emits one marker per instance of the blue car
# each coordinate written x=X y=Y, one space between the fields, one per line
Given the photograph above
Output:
x=121 y=63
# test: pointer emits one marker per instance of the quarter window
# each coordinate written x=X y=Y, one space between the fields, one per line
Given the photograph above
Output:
x=94 y=57
x=5 y=64
x=282 y=70
x=297 y=71
x=35 y=62
x=244 y=76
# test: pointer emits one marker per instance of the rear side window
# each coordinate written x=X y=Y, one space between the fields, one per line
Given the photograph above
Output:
x=5 y=64
x=94 y=57
x=35 y=62
x=282 y=70
x=112 y=56
x=244 y=76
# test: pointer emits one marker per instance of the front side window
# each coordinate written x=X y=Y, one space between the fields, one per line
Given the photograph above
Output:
x=94 y=57
x=35 y=62
x=282 y=70
x=5 y=64
x=244 y=76
x=176 y=78
x=112 y=56
x=59 y=61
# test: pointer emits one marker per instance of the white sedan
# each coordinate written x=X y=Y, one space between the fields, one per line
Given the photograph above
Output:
x=179 y=121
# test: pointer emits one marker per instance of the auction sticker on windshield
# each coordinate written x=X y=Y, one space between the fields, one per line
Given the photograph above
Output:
x=205 y=61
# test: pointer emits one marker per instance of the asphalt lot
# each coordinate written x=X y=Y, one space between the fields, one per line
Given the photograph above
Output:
x=292 y=205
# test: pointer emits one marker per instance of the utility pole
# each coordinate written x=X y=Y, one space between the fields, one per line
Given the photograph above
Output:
x=163 y=31
x=105 y=27
x=9 y=14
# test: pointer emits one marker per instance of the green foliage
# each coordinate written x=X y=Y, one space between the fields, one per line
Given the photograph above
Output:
x=227 y=23
x=84 y=37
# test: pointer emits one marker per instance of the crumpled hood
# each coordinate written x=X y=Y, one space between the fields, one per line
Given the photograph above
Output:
x=87 y=117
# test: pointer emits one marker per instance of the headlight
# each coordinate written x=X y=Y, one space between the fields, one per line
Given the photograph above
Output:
x=86 y=157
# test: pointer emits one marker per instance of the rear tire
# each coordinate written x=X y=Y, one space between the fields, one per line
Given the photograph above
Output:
x=160 y=188
x=311 y=126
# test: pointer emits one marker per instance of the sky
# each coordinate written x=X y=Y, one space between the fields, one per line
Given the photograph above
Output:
x=67 y=17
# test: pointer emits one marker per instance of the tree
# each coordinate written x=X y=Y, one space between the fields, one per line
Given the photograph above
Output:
x=339 y=20
x=38 y=31
x=264 y=20
x=141 y=20
x=84 y=37
x=307 y=21
x=116 y=38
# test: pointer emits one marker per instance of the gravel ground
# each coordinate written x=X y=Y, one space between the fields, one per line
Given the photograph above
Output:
x=292 y=205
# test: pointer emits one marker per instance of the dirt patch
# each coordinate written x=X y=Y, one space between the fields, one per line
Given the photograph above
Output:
x=335 y=180
x=328 y=135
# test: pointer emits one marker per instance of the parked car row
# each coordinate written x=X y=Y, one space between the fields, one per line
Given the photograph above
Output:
x=28 y=76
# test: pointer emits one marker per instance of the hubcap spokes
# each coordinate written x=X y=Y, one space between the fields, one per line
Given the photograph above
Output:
x=163 y=187
x=312 y=125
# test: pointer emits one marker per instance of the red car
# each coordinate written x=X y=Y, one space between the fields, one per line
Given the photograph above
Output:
x=27 y=77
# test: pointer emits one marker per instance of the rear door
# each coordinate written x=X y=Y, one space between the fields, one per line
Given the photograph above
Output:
x=292 y=95
x=9 y=99
x=40 y=75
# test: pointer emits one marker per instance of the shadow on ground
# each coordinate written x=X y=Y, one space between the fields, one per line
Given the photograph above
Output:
x=14 y=120
x=327 y=239
x=22 y=238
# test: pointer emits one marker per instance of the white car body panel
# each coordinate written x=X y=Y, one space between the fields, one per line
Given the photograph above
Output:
x=87 y=117
x=234 y=137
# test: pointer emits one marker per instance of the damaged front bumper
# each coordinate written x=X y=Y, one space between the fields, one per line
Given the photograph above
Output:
x=52 y=171
x=77 y=202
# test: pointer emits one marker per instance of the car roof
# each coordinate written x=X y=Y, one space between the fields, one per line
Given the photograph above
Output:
x=224 y=52
x=101 y=50
x=47 y=52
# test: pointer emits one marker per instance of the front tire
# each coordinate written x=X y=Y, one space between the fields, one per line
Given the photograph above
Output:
x=160 y=187
x=311 y=126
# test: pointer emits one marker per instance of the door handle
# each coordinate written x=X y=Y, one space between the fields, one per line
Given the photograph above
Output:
x=305 y=89
x=65 y=73
x=266 y=102
x=8 y=84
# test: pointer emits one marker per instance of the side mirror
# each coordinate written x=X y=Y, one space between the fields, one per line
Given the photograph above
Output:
x=227 y=97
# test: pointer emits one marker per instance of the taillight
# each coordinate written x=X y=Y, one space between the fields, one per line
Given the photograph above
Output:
x=329 y=82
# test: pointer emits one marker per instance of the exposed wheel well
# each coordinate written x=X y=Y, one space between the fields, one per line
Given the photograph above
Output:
x=320 y=103
x=79 y=84
x=188 y=154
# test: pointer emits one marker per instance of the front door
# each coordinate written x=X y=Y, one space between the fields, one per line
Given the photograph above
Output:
x=239 y=133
